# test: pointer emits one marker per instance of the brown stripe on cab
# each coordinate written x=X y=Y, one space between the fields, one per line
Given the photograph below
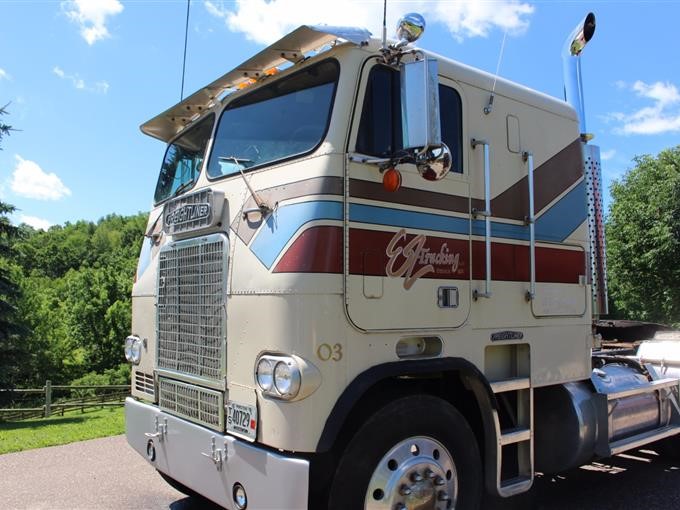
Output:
x=551 y=179
x=314 y=186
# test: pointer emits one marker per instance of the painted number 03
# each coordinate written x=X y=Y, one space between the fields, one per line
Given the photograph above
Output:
x=327 y=352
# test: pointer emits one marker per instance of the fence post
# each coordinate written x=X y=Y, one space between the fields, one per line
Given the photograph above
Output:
x=48 y=398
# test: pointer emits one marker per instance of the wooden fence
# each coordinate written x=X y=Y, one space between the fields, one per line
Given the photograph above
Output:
x=78 y=397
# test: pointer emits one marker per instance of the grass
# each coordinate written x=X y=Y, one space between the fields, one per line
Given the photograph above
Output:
x=40 y=432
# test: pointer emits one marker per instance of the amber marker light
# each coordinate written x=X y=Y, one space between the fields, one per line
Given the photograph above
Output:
x=392 y=179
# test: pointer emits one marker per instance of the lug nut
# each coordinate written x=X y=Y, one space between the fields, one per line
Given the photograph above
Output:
x=443 y=496
x=405 y=490
x=400 y=506
x=429 y=473
x=417 y=477
x=439 y=481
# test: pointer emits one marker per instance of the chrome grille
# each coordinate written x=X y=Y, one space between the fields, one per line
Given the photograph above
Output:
x=199 y=405
x=191 y=315
x=144 y=383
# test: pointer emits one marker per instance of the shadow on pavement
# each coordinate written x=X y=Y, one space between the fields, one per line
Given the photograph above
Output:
x=194 y=503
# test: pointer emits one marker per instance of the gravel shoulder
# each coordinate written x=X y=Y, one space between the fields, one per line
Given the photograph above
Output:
x=103 y=474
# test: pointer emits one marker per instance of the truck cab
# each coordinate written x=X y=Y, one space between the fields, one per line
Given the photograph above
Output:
x=357 y=283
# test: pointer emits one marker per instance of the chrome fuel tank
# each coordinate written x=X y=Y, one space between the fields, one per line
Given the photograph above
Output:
x=572 y=420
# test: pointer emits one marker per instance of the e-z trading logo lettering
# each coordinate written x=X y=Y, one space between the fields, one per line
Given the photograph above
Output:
x=416 y=253
x=187 y=213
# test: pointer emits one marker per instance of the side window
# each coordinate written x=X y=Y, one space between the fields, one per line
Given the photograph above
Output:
x=380 y=126
x=451 y=113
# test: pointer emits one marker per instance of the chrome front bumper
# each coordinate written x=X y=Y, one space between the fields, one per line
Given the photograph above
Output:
x=210 y=463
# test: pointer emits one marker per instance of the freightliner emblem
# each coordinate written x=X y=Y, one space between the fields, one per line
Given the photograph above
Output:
x=187 y=213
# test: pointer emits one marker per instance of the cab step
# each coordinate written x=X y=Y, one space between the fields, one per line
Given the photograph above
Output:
x=513 y=384
x=517 y=485
x=516 y=435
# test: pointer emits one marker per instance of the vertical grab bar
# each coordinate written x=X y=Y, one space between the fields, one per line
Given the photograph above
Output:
x=487 y=218
x=528 y=158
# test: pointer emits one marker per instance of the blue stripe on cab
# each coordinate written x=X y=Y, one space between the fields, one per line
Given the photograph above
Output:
x=554 y=225
x=282 y=224
x=407 y=219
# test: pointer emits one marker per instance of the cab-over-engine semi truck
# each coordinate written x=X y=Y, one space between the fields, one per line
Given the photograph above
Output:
x=369 y=280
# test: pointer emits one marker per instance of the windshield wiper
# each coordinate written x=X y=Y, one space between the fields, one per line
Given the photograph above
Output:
x=236 y=160
x=262 y=207
x=183 y=187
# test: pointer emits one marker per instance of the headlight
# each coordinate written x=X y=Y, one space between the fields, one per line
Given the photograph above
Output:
x=265 y=374
x=287 y=378
x=133 y=349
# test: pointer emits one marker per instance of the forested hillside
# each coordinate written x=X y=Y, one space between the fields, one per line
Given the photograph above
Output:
x=72 y=309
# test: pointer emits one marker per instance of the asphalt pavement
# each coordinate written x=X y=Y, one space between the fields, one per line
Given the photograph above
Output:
x=104 y=474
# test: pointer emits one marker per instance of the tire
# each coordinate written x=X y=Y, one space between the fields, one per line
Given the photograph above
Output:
x=412 y=452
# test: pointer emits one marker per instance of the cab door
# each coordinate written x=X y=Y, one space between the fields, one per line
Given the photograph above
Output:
x=407 y=252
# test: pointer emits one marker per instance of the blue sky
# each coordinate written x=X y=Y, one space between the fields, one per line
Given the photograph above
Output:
x=81 y=76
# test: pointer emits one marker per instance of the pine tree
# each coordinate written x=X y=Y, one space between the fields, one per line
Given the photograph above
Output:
x=12 y=355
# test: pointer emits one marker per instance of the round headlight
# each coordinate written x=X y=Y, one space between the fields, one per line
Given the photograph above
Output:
x=265 y=374
x=136 y=351
x=128 y=347
x=287 y=378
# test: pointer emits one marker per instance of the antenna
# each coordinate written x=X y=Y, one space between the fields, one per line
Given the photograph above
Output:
x=384 y=34
x=184 y=61
x=489 y=106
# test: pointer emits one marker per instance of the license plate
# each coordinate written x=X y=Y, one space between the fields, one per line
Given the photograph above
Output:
x=242 y=420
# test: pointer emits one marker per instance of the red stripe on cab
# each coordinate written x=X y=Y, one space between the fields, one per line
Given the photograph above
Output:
x=319 y=250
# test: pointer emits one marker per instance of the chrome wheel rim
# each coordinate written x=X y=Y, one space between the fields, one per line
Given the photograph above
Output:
x=418 y=473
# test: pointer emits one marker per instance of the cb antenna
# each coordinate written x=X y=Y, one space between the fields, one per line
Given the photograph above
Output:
x=489 y=106
x=384 y=34
x=184 y=61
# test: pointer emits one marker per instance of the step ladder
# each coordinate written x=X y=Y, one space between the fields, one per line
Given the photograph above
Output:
x=516 y=397
x=664 y=387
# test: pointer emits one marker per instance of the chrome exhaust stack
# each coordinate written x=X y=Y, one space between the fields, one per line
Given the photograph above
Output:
x=571 y=66
x=573 y=94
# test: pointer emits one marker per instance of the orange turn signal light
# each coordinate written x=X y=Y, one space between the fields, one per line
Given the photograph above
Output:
x=245 y=84
x=392 y=179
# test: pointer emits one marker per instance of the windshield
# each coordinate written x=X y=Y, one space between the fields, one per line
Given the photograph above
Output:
x=287 y=118
x=183 y=159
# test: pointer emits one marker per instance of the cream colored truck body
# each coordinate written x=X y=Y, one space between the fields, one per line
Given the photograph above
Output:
x=312 y=279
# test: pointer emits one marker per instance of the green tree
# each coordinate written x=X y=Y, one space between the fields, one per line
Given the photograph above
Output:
x=77 y=281
x=5 y=129
x=12 y=351
x=643 y=240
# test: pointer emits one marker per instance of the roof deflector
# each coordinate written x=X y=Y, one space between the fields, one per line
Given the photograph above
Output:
x=291 y=48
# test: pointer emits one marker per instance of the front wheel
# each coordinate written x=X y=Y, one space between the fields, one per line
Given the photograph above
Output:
x=417 y=452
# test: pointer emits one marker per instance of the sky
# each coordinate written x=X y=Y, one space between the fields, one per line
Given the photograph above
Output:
x=80 y=76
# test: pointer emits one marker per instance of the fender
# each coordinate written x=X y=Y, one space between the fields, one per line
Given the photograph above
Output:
x=354 y=392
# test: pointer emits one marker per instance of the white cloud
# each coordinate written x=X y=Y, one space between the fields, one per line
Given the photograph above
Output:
x=31 y=181
x=663 y=116
x=265 y=21
x=35 y=222
x=92 y=16
x=101 y=87
x=4 y=75
x=607 y=155
x=662 y=93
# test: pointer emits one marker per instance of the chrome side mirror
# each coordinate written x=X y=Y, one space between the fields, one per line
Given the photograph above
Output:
x=420 y=104
x=436 y=163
